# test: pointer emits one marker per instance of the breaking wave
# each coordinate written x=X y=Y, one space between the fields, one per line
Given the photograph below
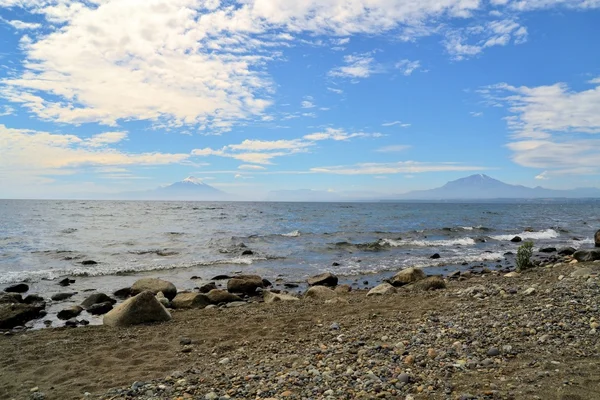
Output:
x=545 y=234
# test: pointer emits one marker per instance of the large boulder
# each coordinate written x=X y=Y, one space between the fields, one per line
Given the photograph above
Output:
x=154 y=285
x=218 y=296
x=320 y=293
x=9 y=298
x=566 y=251
x=271 y=297
x=97 y=298
x=16 y=314
x=597 y=239
x=246 y=284
x=190 y=300
x=383 y=289
x=18 y=288
x=587 y=255
x=140 y=309
x=326 y=279
x=406 y=276
x=429 y=283
x=69 y=313
x=207 y=287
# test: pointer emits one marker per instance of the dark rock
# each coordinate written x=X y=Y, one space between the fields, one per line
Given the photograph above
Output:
x=326 y=279
x=33 y=298
x=597 y=238
x=246 y=284
x=62 y=296
x=516 y=239
x=207 y=288
x=454 y=275
x=435 y=256
x=140 y=309
x=18 y=288
x=100 y=308
x=547 y=250
x=71 y=323
x=493 y=352
x=97 y=298
x=266 y=283
x=184 y=341
x=16 y=314
x=218 y=296
x=335 y=264
x=566 y=251
x=122 y=293
x=154 y=285
x=290 y=285
x=69 y=313
x=221 y=277
x=88 y=262
x=587 y=255
x=406 y=276
x=9 y=298
x=247 y=252
x=195 y=277
x=66 y=282
x=190 y=300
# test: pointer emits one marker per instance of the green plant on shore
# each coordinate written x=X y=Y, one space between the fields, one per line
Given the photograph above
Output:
x=524 y=256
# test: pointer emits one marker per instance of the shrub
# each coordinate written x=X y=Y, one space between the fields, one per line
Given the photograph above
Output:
x=524 y=256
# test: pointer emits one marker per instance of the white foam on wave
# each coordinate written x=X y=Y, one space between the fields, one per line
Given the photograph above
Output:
x=467 y=228
x=583 y=241
x=295 y=233
x=545 y=234
x=466 y=241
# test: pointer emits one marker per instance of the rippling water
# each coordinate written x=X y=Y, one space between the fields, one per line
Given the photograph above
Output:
x=42 y=240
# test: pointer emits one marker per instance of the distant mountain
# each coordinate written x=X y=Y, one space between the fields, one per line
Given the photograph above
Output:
x=191 y=188
x=481 y=186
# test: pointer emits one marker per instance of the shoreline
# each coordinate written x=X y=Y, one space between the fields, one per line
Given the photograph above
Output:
x=293 y=349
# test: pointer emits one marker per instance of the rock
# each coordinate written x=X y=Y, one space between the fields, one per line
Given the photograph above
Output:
x=9 y=298
x=512 y=274
x=493 y=352
x=581 y=273
x=18 y=288
x=435 y=256
x=207 y=288
x=185 y=341
x=66 y=282
x=587 y=255
x=162 y=299
x=97 y=298
x=429 y=283
x=190 y=300
x=516 y=239
x=406 y=276
x=454 y=275
x=88 y=262
x=547 y=250
x=100 y=308
x=325 y=279
x=384 y=288
x=266 y=283
x=122 y=293
x=154 y=285
x=140 y=309
x=566 y=251
x=236 y=304
x=16 y=314
x=597 y=238
x=337 y=300
x=69 y=313
x=320 y=293
x=62 y=296
x=404 y=378
x=529 y=291
x=245 y=284
x=221 y=277
x=247 y=252
x=343 y=289
x=271 y=297
x=290 y=285
x=217 y=296
x=71 y=323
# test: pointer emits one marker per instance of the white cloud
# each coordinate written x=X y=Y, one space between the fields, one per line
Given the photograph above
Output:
x=400 y=167
x=336 y=91
x=393 y=148
x=407 y=67
x=307 y=104
x=476 y=113
x=357 y=66
x=37 y=154
x=400 y=123
x=21 y=25
x=543 y=176
x=251 y=167
x=6 y=110
x=338 y=135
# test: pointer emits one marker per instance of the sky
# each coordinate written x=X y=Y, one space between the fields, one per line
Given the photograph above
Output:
x=361 y=96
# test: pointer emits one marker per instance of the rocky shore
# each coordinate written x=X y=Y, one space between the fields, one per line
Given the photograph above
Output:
x=472 y=335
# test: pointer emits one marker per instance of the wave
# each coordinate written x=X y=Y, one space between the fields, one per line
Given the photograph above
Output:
x=295 y=233
x=465 y=241
x=545 y=234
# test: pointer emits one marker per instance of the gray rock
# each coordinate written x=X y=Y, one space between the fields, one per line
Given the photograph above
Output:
x=140 y=309
x=33 y=299
x=493 y=352
x=154 y=285
x=190 y=300
x=597 y=238
x=581 y=273
x=100 y=308
x=407 y=276
x=325 y=279
x=245 y=284
x=587 y=255
x=62 y=296
x=217 y=296
x=566 y=251
x=97 y=298
x=18 y=288
x=207 y=288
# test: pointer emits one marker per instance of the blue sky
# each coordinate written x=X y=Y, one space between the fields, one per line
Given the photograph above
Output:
x=370 y=96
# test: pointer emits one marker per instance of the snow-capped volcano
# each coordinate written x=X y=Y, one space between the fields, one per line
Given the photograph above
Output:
x=193 y=180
